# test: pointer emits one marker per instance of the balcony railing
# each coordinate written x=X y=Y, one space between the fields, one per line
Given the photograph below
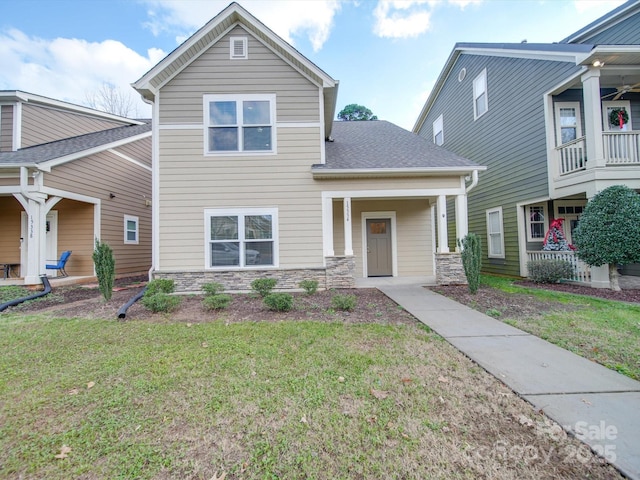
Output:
x=572 y=156
x=581 y=271
x=620 y=148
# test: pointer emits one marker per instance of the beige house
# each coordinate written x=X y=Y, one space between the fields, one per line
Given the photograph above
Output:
x=252 y=178
x=70 y=175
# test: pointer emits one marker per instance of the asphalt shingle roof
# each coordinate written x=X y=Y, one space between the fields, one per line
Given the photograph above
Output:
x=68 y=146
x=379 y=144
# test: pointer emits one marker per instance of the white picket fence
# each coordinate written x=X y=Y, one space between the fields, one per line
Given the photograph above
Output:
x=581 y=271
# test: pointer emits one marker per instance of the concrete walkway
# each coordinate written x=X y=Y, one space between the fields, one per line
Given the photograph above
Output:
x=598 y=405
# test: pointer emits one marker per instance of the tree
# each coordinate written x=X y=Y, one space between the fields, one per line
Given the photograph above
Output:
x=356 y=112
x=554 y=240
x=105 y=265
x=108 y=98
x=609 y=230
x=472 y=260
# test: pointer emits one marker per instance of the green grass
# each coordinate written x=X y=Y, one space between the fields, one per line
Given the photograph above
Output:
x=257 y=400
x=605 y=331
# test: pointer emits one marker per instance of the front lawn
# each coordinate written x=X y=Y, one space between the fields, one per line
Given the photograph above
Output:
x=102 y=399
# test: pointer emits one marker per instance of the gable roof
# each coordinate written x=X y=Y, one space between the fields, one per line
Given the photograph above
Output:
x=149 y=84
x=381 y=148
x=606 y=21
x=72 y=148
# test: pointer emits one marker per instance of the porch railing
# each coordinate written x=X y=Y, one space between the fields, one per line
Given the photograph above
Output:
x=622 y=148
x=572 y=156
x=581 y=271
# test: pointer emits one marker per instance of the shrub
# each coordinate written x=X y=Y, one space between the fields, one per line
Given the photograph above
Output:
x=218 y=301
x=344 y=302
x=161 y=302
x=549 y=271
x=105 y=265
x=159 y=285
x=279 y=302
x=263 y=286
x=212 y=288
x=309 y=286
x=471 y=260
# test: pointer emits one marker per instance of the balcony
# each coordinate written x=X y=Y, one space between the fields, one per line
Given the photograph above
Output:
x=620 y=149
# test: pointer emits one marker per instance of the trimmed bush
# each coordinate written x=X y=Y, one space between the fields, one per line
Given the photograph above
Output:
x=219 y=301
x=159 y=285
x=549 y=271
x=214 y=288
x=472 y=260
x=309 y=286
x=279 y=302
x=344 y=302
x=161 y=302
x=263 y=286
x=105 y=265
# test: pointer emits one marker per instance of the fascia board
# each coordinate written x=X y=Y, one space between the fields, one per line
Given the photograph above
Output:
x=395 y=172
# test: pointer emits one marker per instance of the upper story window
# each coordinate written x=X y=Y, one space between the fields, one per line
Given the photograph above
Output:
x=238 y=48
x=480 y=99
x=240 y=123
x=537 y=222
x=131 y=225
x=495 y=233
x=568 y=127
x=438 y=131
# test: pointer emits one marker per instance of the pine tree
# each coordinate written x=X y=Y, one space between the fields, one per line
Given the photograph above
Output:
x=555 y=240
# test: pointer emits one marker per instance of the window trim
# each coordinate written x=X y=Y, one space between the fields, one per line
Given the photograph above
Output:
x=556 y=107
x=477 y=94
x=245 y=51
x=490 y=211
x=438 y=127
x=626 y=104
x=545 y=212
x=127 y=219
x=238 y=99
x=240 y=212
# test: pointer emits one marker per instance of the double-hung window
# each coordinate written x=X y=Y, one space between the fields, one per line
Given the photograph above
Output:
x=438 y=131
x=480 y=99
x=240 y=123
x=131 y=229
x=241 y=238
x=495 y=233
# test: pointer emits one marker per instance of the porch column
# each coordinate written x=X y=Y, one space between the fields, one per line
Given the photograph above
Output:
x=443 y=240
x=327 y=226
x=593 y=118
x=348 y=234
x=36 y=244
x=462 y=220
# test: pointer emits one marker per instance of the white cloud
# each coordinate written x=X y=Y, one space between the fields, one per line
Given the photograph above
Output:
x=311 y=18
x=69 y=69
x=409 y=18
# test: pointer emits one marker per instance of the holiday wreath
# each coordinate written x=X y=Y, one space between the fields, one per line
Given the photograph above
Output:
x=618 y=116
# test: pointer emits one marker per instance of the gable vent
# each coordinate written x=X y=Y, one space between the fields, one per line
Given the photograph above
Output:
x=238 y=48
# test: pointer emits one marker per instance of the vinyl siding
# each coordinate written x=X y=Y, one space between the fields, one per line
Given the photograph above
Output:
x=626 y=32
x=264 y=72
x=509 y=139
x=131 y=185
x=75 y=233
x=6 y=128
x=42 y=124
x=10 y=210
x=139 y=151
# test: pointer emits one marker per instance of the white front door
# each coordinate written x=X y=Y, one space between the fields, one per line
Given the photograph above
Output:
x=51 y=234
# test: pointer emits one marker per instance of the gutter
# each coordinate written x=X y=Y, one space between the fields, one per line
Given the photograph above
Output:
x=474 y=181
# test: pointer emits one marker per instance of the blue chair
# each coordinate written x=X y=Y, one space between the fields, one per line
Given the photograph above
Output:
x=61 y=263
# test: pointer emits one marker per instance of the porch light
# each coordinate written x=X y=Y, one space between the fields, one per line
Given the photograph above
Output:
x=598 y=63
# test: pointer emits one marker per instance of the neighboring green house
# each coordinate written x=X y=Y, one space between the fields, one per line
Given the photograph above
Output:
x=252 y=178
x=554 y=124
x=70 y=175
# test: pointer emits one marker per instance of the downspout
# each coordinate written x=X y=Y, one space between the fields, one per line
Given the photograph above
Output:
x=474 y=181
x=18 y=301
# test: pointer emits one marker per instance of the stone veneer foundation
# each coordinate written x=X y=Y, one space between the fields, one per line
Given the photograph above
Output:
x=338 y=273
x=449 y=269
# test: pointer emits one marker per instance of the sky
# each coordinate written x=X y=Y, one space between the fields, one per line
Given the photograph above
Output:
x=387 y=54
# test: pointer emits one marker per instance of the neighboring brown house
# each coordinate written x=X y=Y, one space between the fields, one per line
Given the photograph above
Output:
x=252 y=178
x=70 y=175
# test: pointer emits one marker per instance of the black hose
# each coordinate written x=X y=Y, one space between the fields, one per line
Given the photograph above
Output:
x=122 y=313
x=17 y=301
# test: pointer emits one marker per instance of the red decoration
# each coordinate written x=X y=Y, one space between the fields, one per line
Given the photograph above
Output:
x=557 y=239
x=620 y=120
